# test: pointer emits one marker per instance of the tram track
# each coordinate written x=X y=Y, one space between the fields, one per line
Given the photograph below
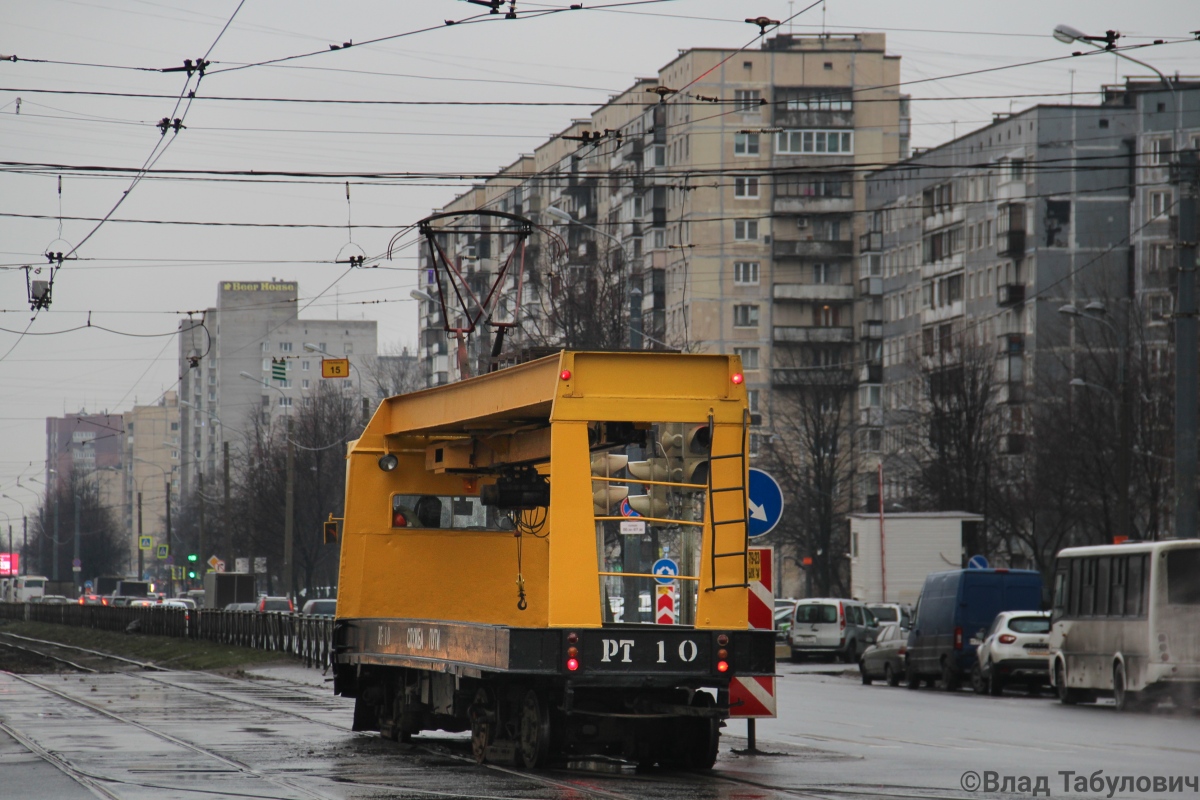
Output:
x=579 y=783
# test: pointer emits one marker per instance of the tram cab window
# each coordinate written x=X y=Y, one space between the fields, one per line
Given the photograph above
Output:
x=649 y=498
x=450 y=512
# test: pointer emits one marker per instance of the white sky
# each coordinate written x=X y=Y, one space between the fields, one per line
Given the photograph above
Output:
x=137 y=278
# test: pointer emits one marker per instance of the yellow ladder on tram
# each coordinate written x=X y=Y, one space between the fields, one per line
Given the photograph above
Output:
x=719 y=524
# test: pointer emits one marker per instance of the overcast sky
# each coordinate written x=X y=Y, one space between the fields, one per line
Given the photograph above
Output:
x=141 y=278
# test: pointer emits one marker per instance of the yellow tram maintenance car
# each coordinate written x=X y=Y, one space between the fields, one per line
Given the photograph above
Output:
x=553 y=556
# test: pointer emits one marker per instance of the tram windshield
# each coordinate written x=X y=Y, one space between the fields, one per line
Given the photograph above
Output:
x=649 y=499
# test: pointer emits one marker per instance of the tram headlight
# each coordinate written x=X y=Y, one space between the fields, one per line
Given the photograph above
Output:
x=388 y=462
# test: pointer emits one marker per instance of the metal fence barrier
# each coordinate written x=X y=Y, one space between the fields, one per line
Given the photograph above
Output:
x=307 y=637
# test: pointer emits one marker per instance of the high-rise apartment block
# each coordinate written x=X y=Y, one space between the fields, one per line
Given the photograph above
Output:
x=226 y=363
x=714 y=207
x=985 y=241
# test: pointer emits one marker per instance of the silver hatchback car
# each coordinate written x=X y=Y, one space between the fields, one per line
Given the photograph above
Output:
x=831 y=626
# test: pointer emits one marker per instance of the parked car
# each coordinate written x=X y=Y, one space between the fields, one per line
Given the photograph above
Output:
x=92 y=599
x=51 y=600
x=280 y=604
x=186 y=602
x=325 y=607
x=242 y=607
x=885 y=659
x=892 y=612
x=957 y=607
x=784 y=607
x=831 y=627
x=1015 y=650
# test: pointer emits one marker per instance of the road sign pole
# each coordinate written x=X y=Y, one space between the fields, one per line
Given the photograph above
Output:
x=141 y=564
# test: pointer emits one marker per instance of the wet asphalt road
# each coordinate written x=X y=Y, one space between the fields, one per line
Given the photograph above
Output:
x=135 y=735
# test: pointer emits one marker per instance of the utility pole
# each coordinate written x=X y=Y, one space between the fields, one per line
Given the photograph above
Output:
x=141 y=556
x=170 y=545
x=76 y=568
x=1187 y=178
x=24 y=543
x=227 y=534
x=289 y=505
x=54 y=543
x=200 y=540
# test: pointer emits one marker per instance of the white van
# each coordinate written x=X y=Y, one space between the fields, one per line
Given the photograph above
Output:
x=24 y=588
x=1124 y=623
x=831 y=627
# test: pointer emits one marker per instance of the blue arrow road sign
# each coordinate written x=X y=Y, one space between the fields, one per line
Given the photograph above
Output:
x=977 y=562
x=667 y=568
x=766 y=503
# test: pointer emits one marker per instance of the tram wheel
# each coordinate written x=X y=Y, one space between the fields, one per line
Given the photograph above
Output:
x=706 y=735
x=483 y=724
x=533 y=747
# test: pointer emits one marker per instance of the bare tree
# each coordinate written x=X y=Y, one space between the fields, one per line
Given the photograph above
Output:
x=103 y=549
x=809 y=453
x=393 y=371
x=321 y=429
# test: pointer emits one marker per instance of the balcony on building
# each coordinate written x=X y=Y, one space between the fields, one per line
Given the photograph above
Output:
x=1010 y=294
x=811 y=334
x=811 y=249
x=813 y=292
x=870 y=242
x=843 y=376
x=812 y=205
x=871 y=329
x=870 y=287
x=1010 y=230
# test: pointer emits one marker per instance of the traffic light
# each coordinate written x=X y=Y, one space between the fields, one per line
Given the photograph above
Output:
x=191 y=570
x=192 y=557
x=604 y=493
x=330 y=532
x=191 y=574
x=697 y=450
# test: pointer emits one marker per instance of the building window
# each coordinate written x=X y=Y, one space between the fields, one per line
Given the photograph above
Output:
x=809 y=142
x=1161 y=257
x=1159 y=307
x=1015 y=169
x=746 y=100
x=826 y=316
x=304 y=383
x=304 y=366
x=1160 y=152
x=811 y=99
x=745 y=230
x=285 y=347
x=748 y=355
x=752 y=400
x=745 y=316
x=266 y=347
x=174 y=426
x=348 y=348
x=745 y=187
x=285 y=402
x=266 y=365
x=1160 y=203
x=794 y=185
x=266 y=403
x=826 y=273
x=755 y=443
x=745 y=144
x=745 y=273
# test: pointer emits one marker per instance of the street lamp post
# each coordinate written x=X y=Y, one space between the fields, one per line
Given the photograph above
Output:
x=1095 y=311
x=635 y=331
x=289 y=494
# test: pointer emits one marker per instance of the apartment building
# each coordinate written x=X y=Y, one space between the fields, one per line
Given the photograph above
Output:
x=226 y=365
x=150 y=462
x=980 y=242
x=714 y=207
